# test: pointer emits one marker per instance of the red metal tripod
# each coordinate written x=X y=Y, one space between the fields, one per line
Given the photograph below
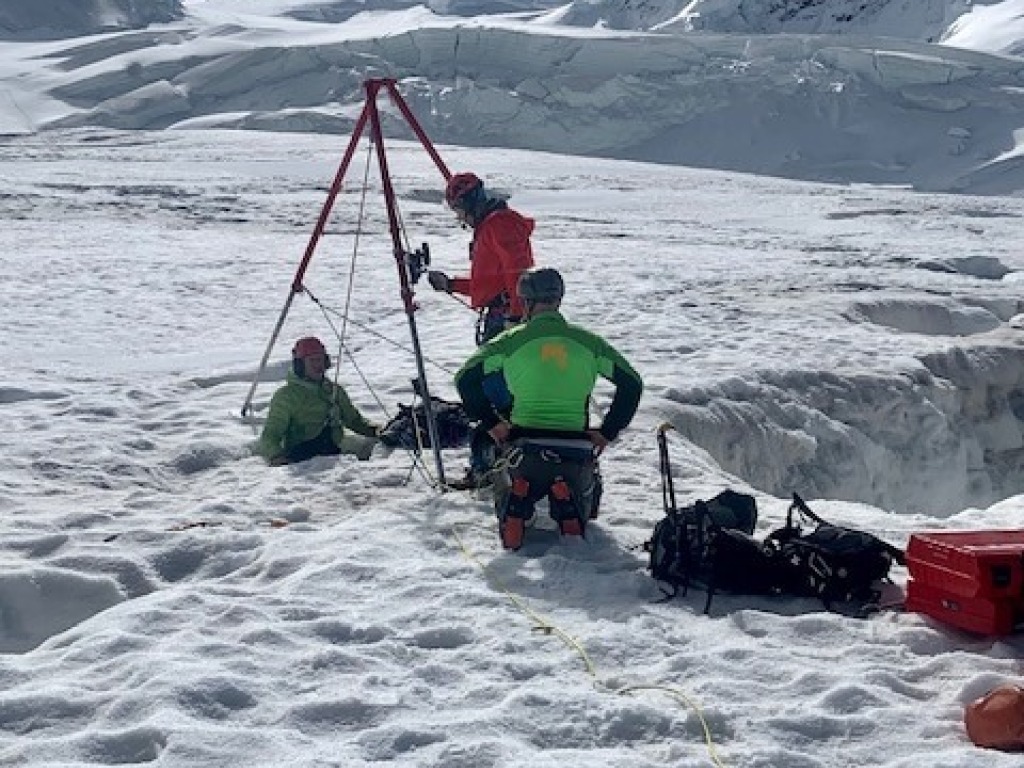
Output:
x=403 y=261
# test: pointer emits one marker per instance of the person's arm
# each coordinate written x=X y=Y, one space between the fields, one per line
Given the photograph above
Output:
x=505 y=237
x=628 y=389
x=350 y=415
x=461 y=285
x=271 y=445
x=442 y=281
x=470 y=383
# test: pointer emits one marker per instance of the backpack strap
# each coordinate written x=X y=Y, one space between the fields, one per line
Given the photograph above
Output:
x=668 y=491
x=799 y=505
x=668 y=502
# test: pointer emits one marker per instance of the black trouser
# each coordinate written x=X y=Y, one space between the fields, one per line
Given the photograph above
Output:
x=482 y=450
x=564 y=471
x=493 y=321
x=321 y=445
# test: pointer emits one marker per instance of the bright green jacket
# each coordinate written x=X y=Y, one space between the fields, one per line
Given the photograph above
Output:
x=301 y=409
x=550 y=367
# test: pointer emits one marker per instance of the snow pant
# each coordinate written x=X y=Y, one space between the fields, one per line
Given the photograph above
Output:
x=562 y=470
x=483 y=452
x=493 y=321
x=324 y=445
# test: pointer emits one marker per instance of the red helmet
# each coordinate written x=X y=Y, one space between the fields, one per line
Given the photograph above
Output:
x=308 y=347
x=460 y=185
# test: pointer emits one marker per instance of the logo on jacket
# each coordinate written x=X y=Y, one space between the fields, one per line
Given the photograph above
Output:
x=556 y=352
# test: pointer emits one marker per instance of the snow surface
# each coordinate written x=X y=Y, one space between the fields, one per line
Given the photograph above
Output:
x=998 y=28
x=640 y=81
x=167 y=599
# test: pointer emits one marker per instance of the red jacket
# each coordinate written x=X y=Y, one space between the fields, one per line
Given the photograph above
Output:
x=499 y=253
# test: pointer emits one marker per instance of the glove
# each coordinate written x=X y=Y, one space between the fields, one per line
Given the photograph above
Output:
x=439 y=281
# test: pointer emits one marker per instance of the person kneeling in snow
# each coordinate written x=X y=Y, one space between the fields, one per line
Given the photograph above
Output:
x=309 y=414
x=549 y=449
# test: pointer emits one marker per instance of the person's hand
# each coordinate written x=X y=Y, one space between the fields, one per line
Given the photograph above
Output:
x=439 y=281
x=599 y=440
x=500 y=431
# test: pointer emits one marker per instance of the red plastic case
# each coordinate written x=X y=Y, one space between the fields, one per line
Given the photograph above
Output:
x=986 y=564
x=975 y=614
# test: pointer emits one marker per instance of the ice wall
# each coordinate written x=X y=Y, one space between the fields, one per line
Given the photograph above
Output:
x=939 y=439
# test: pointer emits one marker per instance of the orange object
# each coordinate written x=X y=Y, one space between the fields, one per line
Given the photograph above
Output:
x=511 y=531
x=996 y=720
x=560 y=490
x=571 y=527
x=520 y=487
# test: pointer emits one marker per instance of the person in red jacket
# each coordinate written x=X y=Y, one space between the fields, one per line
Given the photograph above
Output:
x=499 y=253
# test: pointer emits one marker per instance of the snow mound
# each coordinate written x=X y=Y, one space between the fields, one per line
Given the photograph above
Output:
x=920 y=20
x=926 y=316
x=807 y=107
x=983 y=267
x=39 y=603
x=935 y=441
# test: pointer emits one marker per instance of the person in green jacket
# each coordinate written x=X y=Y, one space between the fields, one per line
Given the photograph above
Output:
x=550 y=368
x=309 y=414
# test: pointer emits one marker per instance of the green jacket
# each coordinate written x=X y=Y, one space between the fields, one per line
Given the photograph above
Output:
x=301 y=409
x=550 y=367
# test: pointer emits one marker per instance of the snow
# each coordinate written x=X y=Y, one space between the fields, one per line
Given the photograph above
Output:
x=35 y=20
x=847 y=106
x=996 y=28
x=166 y=598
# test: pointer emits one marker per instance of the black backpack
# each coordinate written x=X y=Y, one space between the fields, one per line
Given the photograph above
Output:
x=709 y=544
x=409 y=428
x=833 y=563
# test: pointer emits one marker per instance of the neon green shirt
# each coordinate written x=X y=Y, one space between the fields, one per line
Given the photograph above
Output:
x=550 y=367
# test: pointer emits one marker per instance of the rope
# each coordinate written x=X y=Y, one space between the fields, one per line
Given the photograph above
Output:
x=541 y=624
x=546 y=627
x=364 y=327
x=417 y=463
x=681 y=698
x=344 y=349
x=345 y=315
x=355 y=251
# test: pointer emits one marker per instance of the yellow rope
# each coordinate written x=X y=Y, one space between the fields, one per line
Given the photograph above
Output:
x=542 y=625
x=546 y=627
x=680 y=697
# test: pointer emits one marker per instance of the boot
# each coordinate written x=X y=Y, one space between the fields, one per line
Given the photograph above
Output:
x=511 y=530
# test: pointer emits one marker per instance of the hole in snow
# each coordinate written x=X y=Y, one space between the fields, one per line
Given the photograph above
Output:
x=925 y=317
x=37 y=604
x=942 y=439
